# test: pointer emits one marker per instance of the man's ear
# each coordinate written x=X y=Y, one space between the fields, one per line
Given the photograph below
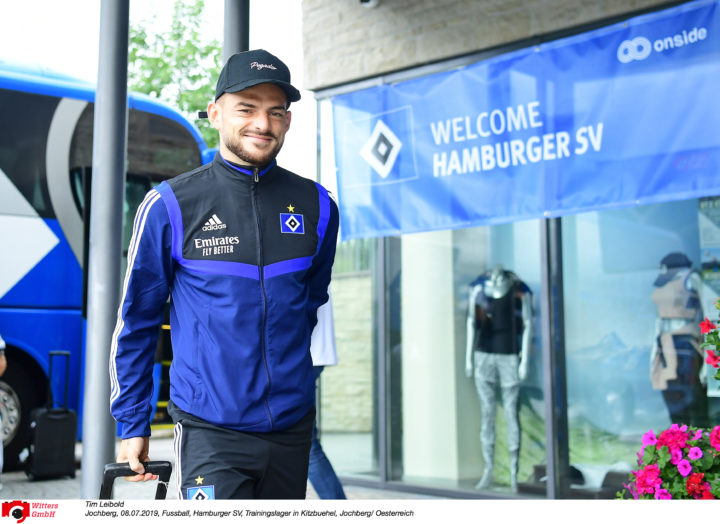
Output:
x=288 y=117
x=214 y=114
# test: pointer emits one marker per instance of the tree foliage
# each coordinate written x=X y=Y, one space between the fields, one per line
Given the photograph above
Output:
x=176 y=65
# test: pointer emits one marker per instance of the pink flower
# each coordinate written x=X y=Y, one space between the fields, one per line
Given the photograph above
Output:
x=706 y=326
x=662 y=494
x=649 y=438
x=715 y=438
x=684 y=467
x=712 y=359
x=698 y=435
x=631 y=489
x=675 y=456
x=695 y=453
x=648 y=479
x=673 y=438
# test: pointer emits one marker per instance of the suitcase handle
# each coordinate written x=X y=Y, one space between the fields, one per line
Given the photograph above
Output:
x=161 y=468
x=65 y=354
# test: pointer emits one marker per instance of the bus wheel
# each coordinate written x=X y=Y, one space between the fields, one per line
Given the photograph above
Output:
x=17 y=399
x=10 y=412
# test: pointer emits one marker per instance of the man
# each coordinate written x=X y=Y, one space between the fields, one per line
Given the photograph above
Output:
x=245 y=248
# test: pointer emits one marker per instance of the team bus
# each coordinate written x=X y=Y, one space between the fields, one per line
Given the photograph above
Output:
x=46 y=135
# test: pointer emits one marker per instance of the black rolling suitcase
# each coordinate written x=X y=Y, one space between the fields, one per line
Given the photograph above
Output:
x=53 y=432
x=161 y=468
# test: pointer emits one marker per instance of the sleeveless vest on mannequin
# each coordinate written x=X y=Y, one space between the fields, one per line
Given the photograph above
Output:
x=499 y=331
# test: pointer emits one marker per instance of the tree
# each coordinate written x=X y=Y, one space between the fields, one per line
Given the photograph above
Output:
x=177 y=65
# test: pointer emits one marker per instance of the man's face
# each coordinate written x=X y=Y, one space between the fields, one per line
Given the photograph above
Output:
x=252 y=124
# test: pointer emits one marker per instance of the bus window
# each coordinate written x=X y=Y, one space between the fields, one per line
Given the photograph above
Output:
x=22 y=145
x=159 y=147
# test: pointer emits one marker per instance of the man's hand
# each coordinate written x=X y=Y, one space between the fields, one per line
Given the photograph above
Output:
x=135 y=451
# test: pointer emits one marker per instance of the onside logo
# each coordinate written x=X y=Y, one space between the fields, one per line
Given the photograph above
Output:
x=639 y=48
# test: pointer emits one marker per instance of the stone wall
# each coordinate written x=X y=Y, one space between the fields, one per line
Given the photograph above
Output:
x=344 y=41
x=346 y=389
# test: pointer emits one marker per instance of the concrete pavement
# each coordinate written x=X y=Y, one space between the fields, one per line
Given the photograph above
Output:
x=17 y=486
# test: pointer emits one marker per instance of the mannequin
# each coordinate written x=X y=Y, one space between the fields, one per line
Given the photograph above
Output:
x=676 y=360
x=499 y=323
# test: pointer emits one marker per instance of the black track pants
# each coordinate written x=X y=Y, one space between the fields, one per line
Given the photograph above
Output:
x=212 y=462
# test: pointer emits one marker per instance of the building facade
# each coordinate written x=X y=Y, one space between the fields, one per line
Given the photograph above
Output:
x=529 y=230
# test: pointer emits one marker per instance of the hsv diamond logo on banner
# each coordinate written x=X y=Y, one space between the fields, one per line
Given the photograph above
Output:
x=381 y=149
x=384 y=157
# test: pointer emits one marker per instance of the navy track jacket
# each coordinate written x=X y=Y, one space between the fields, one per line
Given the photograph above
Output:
x=246 y=256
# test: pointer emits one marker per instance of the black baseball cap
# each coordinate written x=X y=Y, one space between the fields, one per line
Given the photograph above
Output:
x=250 y=68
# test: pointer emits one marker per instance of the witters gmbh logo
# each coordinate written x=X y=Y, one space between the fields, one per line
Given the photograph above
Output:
x=19 y=510
x=16 y=509
x=639 y=48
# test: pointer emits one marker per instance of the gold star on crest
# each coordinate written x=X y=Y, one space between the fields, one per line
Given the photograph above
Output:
x=291 y=208
x=199 y=480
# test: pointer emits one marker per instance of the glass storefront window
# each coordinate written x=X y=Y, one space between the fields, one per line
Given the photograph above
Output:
x=634 y=293
x=441 y=443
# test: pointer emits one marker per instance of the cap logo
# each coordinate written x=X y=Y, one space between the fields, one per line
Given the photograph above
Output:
x=260 y=67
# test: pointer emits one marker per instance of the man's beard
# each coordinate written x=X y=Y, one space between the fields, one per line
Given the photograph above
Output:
x=234 y=145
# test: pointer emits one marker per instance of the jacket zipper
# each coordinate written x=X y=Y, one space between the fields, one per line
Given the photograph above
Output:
x=256 y=179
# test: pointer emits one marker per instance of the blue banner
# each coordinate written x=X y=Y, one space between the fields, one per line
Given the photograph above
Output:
x=624 y=115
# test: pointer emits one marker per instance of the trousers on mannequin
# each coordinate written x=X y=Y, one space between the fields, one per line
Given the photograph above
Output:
x=495 y=372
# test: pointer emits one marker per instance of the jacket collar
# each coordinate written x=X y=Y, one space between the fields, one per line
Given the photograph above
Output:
x=246 y=170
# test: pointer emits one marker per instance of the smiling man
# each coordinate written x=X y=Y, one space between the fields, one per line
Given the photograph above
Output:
x=245 y=249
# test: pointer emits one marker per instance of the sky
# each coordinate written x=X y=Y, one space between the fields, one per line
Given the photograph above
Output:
x=64 y=36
